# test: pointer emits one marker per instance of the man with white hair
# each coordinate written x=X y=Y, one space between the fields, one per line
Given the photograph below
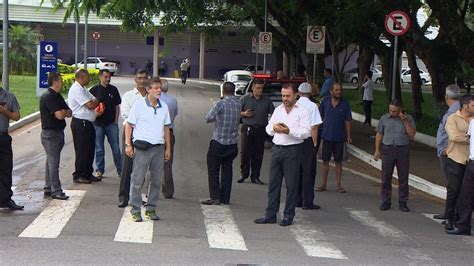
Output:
x=308 y=151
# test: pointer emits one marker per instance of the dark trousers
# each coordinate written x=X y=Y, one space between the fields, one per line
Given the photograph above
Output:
x=219 y=160
x=167 y=186
x=466 y=198
x=251 y=152
x=307 y=173
x=455 y=176
x=6 y=168
x=83 y=136
x=392 y=156
x=367 y=111
x=125 y=175
x=285 y=163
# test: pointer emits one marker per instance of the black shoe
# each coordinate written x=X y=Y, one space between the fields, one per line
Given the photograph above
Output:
x=211 y=202
x=448 y=226
x=440 y=216
x=95 y=178
x=12 y=206
x=265 y=220
x=82 y=180
x=458 y=231
x=385 y=206
x=443 y=222
x=403 y=206
x=47 y=193
x=257 y=181
x=286 y=221
x=61 y=196
x=123 y=204
x=241 y=179
x=311 y=207
x=298 y=205
x=169 y=197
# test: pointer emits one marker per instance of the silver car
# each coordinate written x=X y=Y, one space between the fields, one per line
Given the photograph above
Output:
x=352 y=76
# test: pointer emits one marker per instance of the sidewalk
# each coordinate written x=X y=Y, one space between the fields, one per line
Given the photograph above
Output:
x=423 y=160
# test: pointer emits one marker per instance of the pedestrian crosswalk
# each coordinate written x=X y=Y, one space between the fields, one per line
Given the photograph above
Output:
x=222 y=230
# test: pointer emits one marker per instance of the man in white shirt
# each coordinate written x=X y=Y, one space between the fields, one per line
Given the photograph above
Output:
x=368 y=97
x=128 y=99
x=289 y=126
x=308 y=151
x=149 y=143
x=82 y=104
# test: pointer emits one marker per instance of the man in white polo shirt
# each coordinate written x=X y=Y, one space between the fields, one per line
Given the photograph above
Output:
x=150 y=145
x=289 y=127
x=83 y=104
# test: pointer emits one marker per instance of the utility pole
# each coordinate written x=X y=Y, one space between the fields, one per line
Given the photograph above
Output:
x=265 y=30
x=85 y=39
x=6 y=42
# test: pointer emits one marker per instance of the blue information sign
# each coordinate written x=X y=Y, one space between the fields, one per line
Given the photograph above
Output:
x=48 y=61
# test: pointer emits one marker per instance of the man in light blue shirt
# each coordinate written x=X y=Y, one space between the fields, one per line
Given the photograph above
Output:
x=327 y=85
x=167 y=186
x=453 y=93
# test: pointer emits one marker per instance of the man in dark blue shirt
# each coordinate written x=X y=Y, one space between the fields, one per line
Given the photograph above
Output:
x=337 y=116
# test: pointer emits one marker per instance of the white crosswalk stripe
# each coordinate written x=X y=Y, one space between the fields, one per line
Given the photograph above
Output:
x=222 y=231
x=134 y=232
x=55 y=216
x=468 y=239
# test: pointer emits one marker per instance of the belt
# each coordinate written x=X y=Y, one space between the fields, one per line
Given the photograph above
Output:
x=285 y=146
x=3 y=133
x=255 y=126
x=395 y=146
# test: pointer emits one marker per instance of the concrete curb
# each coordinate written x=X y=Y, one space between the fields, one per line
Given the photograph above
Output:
x=24 y=121
x=414 y=181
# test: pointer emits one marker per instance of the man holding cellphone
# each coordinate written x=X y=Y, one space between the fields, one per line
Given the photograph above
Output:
x=255 y=111
x=394 y=132
x=9 y=110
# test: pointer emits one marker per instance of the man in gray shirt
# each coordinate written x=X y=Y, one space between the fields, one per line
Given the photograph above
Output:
x=394 y=132
x=9 y=110
x=255 y=110
x=453 y=93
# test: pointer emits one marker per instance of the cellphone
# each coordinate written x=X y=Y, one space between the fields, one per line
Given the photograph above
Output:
x=3 y=103
x=404 y=112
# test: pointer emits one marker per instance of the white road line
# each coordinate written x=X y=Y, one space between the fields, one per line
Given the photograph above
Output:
x=430 y=216
x=314 y=242
x=382 y=228
x=222 y=231
x=51 y=221
x=134 y=232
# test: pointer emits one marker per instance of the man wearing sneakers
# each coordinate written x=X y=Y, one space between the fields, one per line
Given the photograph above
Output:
x=149 y=144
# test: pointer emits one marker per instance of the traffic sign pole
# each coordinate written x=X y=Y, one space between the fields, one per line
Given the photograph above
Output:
x=95 y=48
x=394 y=67
x=314 y=67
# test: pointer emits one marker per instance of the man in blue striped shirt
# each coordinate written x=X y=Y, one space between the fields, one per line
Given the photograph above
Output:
x=223 y=147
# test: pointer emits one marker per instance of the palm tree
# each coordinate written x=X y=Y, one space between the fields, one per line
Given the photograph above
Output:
x=22 y=55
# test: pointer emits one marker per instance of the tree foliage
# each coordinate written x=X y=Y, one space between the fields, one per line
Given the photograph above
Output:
x=22 y=52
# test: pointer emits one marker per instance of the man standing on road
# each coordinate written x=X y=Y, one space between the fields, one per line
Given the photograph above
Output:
x=337 y=117
x=9 y=110
x=107 y=123
x=184 y=70
x=368 y=97
x=223 y=147
x=167 y=186
x=289 y=126
x=458 y=155
x=394 y=132
x=149 y=143
x=453 y=93
x=465 y=202
x=308 y=151
x=82 y=104
x=255 y=110
x=328 y=83
x=128 y=99
x=53 y=110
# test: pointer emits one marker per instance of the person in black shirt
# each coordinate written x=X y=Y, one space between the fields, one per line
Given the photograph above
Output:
x=106 y=122
x=53 y=110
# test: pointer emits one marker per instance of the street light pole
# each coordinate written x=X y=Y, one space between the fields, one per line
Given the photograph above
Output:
x=76 y=42
x=85 y=39
x=5 y=46
x=265 y=30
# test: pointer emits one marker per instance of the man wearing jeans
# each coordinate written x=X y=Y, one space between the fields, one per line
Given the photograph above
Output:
x=106 y=123
x=53 y=110
x=149 y=144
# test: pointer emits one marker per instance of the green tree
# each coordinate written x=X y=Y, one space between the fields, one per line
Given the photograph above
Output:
x=22 y=52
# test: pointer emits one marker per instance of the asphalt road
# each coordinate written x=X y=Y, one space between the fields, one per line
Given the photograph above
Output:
x=90 y=229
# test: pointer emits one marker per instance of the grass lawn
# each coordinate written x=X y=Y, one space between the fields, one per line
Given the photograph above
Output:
x=25 y=91
x=428 y=124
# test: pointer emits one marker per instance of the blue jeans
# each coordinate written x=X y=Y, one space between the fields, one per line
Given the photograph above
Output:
x=112 y=133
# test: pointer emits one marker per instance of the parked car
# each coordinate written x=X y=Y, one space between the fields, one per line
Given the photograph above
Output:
x=100 y=63
x=240 y=78
x=406 y=76
x=352 y=75
x=251 y=68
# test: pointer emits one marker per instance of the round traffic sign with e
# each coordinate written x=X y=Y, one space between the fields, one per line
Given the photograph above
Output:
x=266 y=38
x=397 y=23
x=96 y=35
x=255 y=39
x=316 y=34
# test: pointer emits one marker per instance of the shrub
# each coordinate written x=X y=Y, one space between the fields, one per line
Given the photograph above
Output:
x=68 y=79
x=66 y=69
